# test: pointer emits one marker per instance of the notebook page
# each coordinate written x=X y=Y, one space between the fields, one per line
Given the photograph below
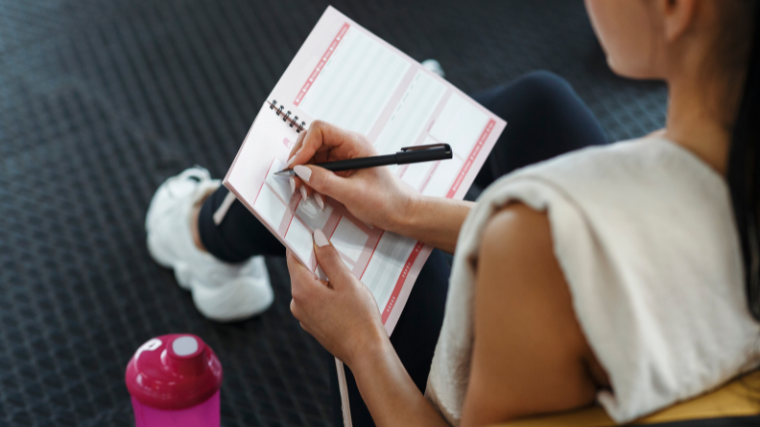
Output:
x=347 y=76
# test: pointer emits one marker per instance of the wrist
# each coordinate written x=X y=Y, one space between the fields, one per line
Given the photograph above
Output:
x=404 y=217
x=368 y=347
x=370 y=357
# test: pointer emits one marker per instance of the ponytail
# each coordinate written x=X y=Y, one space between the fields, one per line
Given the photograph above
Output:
x=744 y=173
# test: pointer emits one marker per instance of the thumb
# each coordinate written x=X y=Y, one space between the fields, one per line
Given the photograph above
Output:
x=324 y=181
x=329 y=259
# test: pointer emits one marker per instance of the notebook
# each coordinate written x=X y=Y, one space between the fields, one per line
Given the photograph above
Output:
x=345 y=75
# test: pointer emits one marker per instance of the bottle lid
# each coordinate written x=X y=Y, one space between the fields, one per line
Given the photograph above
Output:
x=173 y=372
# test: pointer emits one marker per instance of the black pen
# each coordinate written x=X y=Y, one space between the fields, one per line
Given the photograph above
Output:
x=417 y=154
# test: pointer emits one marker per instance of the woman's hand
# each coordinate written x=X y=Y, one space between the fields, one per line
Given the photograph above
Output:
x=341 y=314
x=373 y=195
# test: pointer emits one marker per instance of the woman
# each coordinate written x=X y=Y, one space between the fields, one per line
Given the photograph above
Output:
x=626 y=274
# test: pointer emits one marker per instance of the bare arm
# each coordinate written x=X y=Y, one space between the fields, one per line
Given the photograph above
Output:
x=390 y=394
x=433 y=220
x=529 y=355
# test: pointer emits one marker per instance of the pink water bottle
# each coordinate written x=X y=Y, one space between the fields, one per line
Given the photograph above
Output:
x=174 y=380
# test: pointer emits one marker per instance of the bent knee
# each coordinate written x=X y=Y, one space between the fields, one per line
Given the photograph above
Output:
x=545 y=88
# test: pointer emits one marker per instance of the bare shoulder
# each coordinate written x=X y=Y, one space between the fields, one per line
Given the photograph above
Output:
x=522 y=225
x=530 y=355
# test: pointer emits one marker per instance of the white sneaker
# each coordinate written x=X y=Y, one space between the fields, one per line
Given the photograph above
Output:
x=221 y=291
x=434 y=66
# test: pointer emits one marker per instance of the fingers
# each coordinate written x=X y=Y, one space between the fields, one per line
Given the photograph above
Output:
x=297 y=156
x=303 y=282
x=330 y=143
x=325 y=182
x=304 y=192
x=298 y=313
x=333 y=142
x=298 y=271
x=320 y=201
x=330 y=261
x=320 y=135
x=296 y=147
x=307 y=192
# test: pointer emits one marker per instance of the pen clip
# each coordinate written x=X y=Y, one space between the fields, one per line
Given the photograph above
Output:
x=446 y=147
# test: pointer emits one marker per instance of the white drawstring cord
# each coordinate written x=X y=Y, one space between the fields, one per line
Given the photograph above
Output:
x=218 y=216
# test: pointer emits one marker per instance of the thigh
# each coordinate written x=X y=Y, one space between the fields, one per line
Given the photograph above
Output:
x=414 y=337
x=545 y=118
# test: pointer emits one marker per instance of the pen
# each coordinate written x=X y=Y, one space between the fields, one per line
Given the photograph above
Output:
x=417 y=154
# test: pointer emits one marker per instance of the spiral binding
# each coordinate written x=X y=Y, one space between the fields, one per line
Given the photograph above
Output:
x=293 y=121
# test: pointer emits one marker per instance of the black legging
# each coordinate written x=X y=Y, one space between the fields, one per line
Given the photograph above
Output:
x=545 y=118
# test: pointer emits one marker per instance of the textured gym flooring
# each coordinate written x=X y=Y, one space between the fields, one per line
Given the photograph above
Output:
x=100 y=101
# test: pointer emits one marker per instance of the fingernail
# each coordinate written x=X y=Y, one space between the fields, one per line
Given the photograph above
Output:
x=292 y=184
x=304 y=196
x=303 y=172
x=320 y=239
x=293 y=159
x=320 y=201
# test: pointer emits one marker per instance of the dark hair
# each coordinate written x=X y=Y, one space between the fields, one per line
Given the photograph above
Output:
x=744 y=173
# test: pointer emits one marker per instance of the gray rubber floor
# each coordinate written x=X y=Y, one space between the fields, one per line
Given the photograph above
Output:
x=100 y=101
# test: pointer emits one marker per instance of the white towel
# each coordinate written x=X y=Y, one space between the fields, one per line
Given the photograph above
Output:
x=644 y=233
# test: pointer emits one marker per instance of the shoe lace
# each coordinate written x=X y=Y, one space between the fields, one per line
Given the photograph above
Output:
x=196 y=174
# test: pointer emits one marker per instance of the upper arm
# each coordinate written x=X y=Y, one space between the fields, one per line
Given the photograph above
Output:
x=529 y=355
